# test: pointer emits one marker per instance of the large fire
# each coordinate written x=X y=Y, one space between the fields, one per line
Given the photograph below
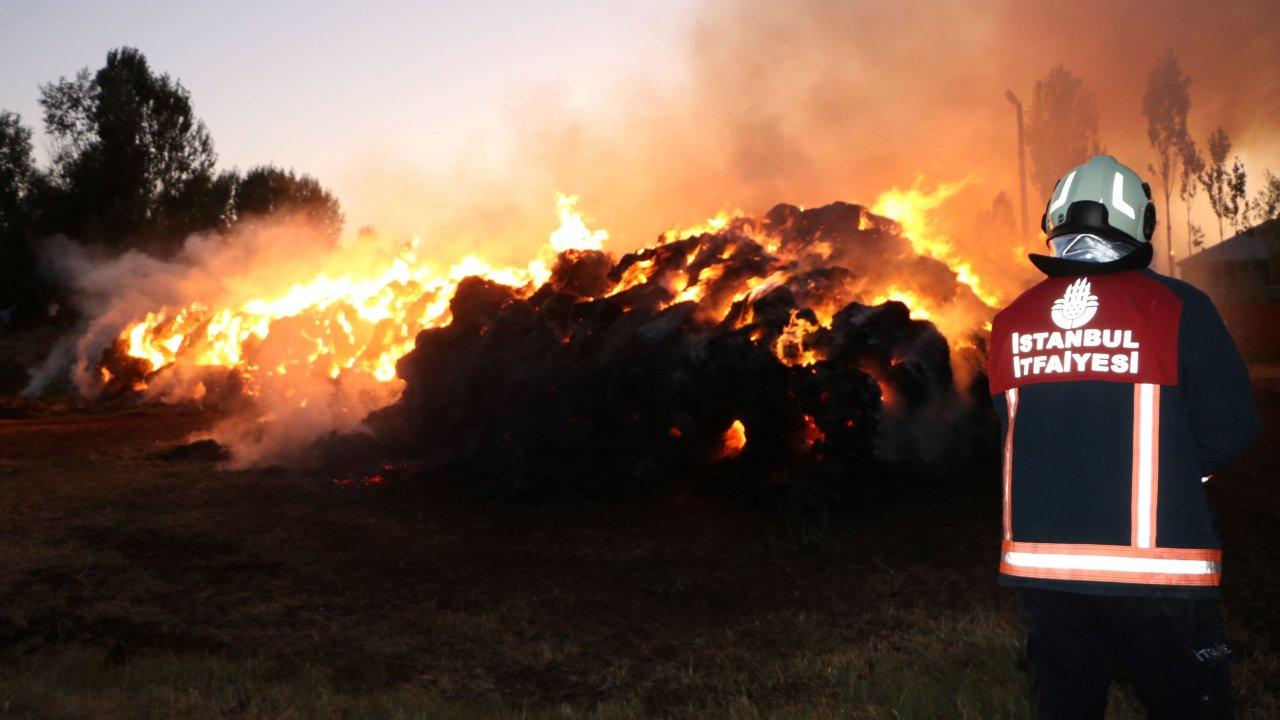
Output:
x=912 y=209
x=350 y=325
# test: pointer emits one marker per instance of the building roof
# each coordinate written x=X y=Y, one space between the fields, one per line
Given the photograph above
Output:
x=1257 y=243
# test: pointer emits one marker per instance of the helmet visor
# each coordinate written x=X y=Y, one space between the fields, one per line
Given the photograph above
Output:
x=1085 y=247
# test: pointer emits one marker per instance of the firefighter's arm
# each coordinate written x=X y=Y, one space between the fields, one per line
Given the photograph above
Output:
x=1215 y=384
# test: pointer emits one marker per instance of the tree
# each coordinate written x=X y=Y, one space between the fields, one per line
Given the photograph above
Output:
x=1215 y=175
x=1266 y=204
x=204 y=203
x=267 y=190
x=1188 y=183
x=132 y=163
x=1195 y=237
x=18 y=178
x=1062 y=130
x=17 y=171
x=1235 y=199
x=1165 y=105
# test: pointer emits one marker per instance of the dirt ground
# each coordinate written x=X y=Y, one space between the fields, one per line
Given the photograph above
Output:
x=137 y=587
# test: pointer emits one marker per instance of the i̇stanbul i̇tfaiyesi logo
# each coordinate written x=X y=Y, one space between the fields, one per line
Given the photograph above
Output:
x=1076 y=307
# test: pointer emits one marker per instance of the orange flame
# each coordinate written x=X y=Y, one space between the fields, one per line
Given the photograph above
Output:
x=733 y=441
x=363 y=323
x=911 y=209
x=711 y=225
x=293 y=342
x=913 y=301
x=790 y=346
x=573 y=233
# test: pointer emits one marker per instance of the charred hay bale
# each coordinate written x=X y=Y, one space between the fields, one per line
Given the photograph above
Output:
x=605 y=401
x=582 y=273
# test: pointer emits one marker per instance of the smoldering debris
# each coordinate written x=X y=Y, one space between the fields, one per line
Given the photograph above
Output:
x=206 y=450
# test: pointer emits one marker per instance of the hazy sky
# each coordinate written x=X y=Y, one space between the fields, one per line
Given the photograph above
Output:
x=324 y=86
x=295 y=81
x=457 y=121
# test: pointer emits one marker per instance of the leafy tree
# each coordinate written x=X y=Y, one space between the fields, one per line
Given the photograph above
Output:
x=1062 y=130
x=204 y=203
x=1188 y=182
x=69 y=109
x=1195 y=236
x=130 y=167
x=1215 y=177
x=267 y=189
x=132 y=163
x=18 y=181
x=1266 y=204
x=17 y=171
x=1165 y=105
x=1235 y=201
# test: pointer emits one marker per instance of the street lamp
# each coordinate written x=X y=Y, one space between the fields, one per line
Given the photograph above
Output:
x=1022 y=157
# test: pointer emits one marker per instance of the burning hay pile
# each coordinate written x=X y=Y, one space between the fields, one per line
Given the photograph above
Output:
x=754 y=358
x=799 y=354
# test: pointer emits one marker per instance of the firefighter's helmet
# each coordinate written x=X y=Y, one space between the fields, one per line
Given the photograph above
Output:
x=1102 y=197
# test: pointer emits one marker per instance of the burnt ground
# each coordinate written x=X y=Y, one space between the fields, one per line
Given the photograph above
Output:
x=135 y=586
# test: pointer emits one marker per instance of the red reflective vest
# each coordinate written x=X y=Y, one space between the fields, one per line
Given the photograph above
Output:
x=1117 y=393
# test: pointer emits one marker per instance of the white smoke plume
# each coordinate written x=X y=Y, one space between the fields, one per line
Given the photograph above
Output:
x=279 y=414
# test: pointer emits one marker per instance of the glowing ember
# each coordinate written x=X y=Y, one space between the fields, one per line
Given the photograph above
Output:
x=790 y=345
x=733 y=441
x=812 y=433
x=359 y=480
x=388 y=472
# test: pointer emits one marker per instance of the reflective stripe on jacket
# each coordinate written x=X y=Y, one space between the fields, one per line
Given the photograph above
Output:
x=1117 y=393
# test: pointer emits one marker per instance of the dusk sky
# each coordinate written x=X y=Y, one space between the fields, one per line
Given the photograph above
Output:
x=460 y=120
x=384 y=100
x=330 y=88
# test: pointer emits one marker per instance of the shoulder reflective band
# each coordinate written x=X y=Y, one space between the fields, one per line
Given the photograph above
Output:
x=1144 y=492
x=1011 y=402
x=1111 y=563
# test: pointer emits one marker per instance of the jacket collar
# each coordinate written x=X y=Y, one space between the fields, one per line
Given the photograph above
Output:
x=1061 y=267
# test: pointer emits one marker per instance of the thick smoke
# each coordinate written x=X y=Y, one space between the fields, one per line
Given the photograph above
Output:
x=817 y=100
x=261 y=258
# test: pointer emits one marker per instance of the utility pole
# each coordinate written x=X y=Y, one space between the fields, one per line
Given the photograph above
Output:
x=1022 y=158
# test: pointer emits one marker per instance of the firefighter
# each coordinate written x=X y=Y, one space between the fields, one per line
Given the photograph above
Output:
x=1119 y=393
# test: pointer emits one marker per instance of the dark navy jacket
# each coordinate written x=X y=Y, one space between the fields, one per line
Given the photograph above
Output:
x=1117 y=393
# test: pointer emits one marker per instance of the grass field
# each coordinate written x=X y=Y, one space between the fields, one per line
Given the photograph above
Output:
x=133 y=587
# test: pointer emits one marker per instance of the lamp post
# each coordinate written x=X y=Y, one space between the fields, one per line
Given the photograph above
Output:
x=1022 y=157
